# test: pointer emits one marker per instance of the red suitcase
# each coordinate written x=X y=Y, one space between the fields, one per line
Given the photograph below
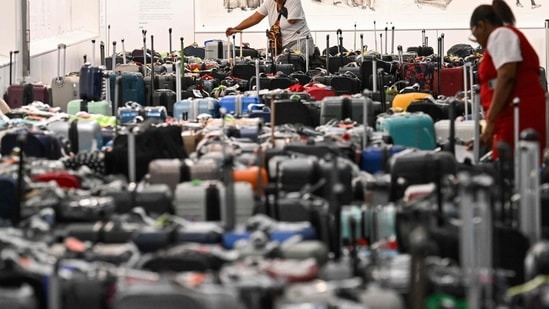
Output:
x=451 y=81
x=41 y=93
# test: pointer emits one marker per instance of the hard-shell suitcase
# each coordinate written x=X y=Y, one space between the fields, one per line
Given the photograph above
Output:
x=131 y=87
x=451 y=81
x=374 y=158
x=18 y=94
x=205 y=201
x=218 y=49
x=164 y=97
x=238 y=104
x=415 y=130
x=83 y=135
x=64 y=87
x=91 y=83
x=18 y=297
x=167 y=295
x=343 y=107
x=101 y=107
x=421 y=73
x=189 y=109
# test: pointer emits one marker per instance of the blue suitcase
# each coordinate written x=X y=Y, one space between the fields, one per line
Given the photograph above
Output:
x=91 y=83
x=237 y=104
x=374 y=158
x=414 y=130
x=191 y=108
x=282 y=232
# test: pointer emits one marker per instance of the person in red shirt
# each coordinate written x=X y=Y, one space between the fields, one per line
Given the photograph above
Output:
x=509 y=68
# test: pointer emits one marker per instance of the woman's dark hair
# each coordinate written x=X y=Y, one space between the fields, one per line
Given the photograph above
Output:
x=497 y=14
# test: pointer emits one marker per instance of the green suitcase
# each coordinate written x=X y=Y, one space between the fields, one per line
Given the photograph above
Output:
x=102 y=107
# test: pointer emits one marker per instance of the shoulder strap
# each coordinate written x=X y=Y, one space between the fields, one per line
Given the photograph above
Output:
x=280 y=12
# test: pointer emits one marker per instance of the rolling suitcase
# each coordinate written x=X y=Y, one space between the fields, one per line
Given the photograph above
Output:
x=18 y=94
x=64 y=87
x=189 y=109
x=238 y=104
x=346 y=107
x=83 y=135
x=447 y=81
x=415 y=130
x=91 y=82
x=206 y=201
x=163 y=96
x=100 y=107
x=131 y=87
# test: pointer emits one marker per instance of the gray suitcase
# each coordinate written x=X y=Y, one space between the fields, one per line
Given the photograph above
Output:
x=342 y=107
x=166 y=295
x=174 y=171
x=83 y=135
x=64 y=87
x=22 y=297
x=191 y=201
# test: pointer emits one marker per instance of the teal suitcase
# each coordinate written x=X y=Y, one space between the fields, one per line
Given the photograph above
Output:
x=93 y=107
x=415 y=130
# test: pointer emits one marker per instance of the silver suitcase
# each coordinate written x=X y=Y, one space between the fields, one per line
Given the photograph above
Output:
x=191 y=201
x=84 y=135
x=64 y=87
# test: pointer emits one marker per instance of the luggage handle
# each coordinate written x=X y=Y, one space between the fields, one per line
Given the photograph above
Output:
x=423 y=38
x=381 y=42
x=182 y=56
x=439 y=65
x=375 y=36
x=92 y=62
x=108 y=38
x=123 y=51
x=386 y=40
x=13 y=73
x=152 y=68
x=178 y=82
x=516 y=134
x=114 y=101
x=102 y=53
x=170 y=39
x=328 y=52
x=307 y=53
x=354 y=38
x=144 y=33
x=392 y=40
x=362 y=54
x=232 y=61
x=60 y=80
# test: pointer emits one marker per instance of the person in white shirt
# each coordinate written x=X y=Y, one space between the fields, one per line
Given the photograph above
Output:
x=293 y=23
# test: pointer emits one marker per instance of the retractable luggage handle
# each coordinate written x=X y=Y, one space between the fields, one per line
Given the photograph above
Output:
x=529 y=191
x=228 y=160
x=182 y=55
x=381 y=42
x=307 y=53
x=386 y=40
x=13 y=73
x=375 y=36
x=152 y=68
x=101 y=53
x=114 y=101
x=178 y=81
x=354 y=37
x=92 y=61
x=108 y=37
x=170 y=39
x=476 y=240
x=340 y=40
x=423 y=38
x=362 y=54
x=60 y=79
x=516 y=134
x=144 y=33
x=392 y=40
x=476 y=119
x=328 y=52
x=123 y=51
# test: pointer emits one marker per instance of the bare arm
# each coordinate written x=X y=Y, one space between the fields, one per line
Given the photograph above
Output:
x=252 y=20
x=504 y=86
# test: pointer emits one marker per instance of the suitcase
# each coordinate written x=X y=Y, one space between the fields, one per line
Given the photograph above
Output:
x=343 y=107
x=418 y=167
x=174 y=171
x=279 y=231
x=421 y=73
x=273 y=82
x=165 y=98
x=9 y=199
x=296 y=60
x=38 y=144
x=374 y=158
x=18 y=297
x=238 y=104
x=414 y=130
x=64 y=87
x=164 y=294
x=18 y=94
x=101 y=107
x=83 y=135
x=402 y=100
x=217 y=49
x=346 y=83
x=91 y=83
x=293 y=112
x=131 y=88
x=189 y=109
x=205 y=201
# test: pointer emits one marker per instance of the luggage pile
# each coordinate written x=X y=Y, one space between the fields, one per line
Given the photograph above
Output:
x=169 y=181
